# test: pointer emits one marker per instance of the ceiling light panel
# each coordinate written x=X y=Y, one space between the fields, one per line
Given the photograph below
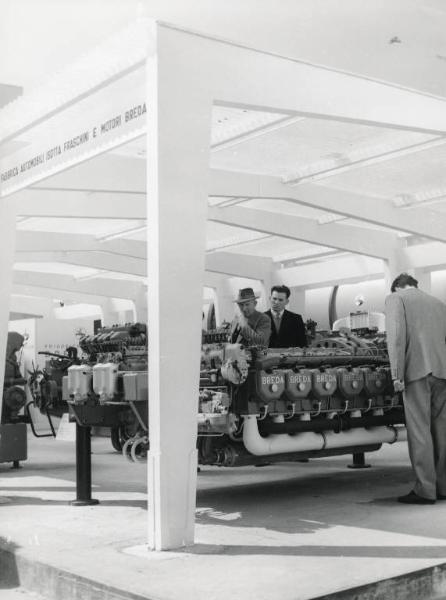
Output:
x=308 y=146
x=96 y=227
x=54 y=268
x=232 y=123
x=219 y=236
x=411 y=174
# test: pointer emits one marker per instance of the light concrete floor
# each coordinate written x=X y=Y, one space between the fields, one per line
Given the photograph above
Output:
x=19 y=594
x=292 y=531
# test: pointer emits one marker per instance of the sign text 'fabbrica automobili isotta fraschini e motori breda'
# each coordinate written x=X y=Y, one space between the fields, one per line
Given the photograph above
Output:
x=119 y=124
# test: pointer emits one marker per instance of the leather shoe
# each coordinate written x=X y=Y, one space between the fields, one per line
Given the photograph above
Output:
x=413 y=498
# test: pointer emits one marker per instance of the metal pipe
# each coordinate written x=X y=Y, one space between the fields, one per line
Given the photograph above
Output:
x=335 y=424
x=309 y=441
x=277 y=444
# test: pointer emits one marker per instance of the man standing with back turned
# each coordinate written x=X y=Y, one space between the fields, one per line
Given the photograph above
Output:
x=287 y=328
x=416 y=339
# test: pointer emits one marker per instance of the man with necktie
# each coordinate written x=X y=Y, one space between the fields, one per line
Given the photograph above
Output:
x=288 y=329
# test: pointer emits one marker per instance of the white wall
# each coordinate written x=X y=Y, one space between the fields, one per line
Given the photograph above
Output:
x=51 y=335
x=374 y=293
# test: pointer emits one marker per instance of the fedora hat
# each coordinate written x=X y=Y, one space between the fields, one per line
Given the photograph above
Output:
x=246 y=294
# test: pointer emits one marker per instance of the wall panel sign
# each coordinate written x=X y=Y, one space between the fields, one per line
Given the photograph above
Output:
x=105 y=119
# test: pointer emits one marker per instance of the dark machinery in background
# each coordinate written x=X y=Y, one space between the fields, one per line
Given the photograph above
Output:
x=46 y=384
x=255 y=405
x=13 y=438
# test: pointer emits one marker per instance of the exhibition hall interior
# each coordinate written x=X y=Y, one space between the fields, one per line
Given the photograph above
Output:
x=204 y=213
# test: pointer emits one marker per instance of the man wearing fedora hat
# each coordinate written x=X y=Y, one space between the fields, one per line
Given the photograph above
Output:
x=249 y=327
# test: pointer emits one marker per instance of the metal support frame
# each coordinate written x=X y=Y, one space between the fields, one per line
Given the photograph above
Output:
x=83 y=467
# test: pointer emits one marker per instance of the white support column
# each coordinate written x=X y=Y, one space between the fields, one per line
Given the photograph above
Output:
x=140 y=302
x=424 y=279
x=224 y=305
x=109 y=313
x=297 y=302
x=391 y=270
x=265 y=283
x=7 y=235
x=178 y=139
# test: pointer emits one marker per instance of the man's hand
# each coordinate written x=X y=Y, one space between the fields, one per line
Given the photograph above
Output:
x=398 y=385
x=241 y=319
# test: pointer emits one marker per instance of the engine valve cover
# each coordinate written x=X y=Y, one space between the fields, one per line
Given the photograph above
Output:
x=297 y=383
x=270 y=385
x=350 y=381
x=324 y=383
x=375 y=381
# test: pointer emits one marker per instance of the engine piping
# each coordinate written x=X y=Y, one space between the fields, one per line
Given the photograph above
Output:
x=336 y=424
x=308 y=441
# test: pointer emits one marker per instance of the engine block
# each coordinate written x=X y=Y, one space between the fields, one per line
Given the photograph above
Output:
x=279 y=404
x=254 y=405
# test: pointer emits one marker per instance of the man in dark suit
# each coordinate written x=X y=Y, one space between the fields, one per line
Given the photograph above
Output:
x=287 y=328
x=416 y=340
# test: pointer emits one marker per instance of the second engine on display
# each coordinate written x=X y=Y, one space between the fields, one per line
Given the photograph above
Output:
x=110 y=386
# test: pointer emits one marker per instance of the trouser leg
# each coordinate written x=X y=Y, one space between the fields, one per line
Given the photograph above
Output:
x=438 y=428
x=417 y=408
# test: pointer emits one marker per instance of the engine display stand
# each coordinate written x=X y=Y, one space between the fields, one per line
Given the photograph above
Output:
x=83 y=467
x=359 y=462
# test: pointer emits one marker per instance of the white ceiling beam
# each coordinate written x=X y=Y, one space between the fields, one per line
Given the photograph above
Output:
x=118 y=55
x=54 y=247
x=107 y=173
x=238 y=265
x=331 y=272
x=108 y=256
x=65 y=295
x=42 y=241
x=428 y=256
x=381 y=212
x=240 y=76
x=359 y=158
x=110 y=288
x=214 y=280
x=341 y=237
x=424 y=222
x=41 y=306
x=34 y=202
x=94 y=260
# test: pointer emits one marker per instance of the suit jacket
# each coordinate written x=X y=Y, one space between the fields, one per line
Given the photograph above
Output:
x=256 y=333
x=291 y=333
x=416 y=335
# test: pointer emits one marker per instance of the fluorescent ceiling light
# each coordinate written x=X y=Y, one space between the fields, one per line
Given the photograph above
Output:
x=120 y=234
x=358 y=159
x=420 y=198
x=91 y=275
x=330 y=218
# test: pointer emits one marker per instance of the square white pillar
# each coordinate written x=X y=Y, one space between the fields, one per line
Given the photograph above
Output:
x=178 y=139
x=391 y=269
x=8 y=236
x=424 y=279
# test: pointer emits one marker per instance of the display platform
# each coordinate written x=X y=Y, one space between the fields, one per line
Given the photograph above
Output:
x=294 y=531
